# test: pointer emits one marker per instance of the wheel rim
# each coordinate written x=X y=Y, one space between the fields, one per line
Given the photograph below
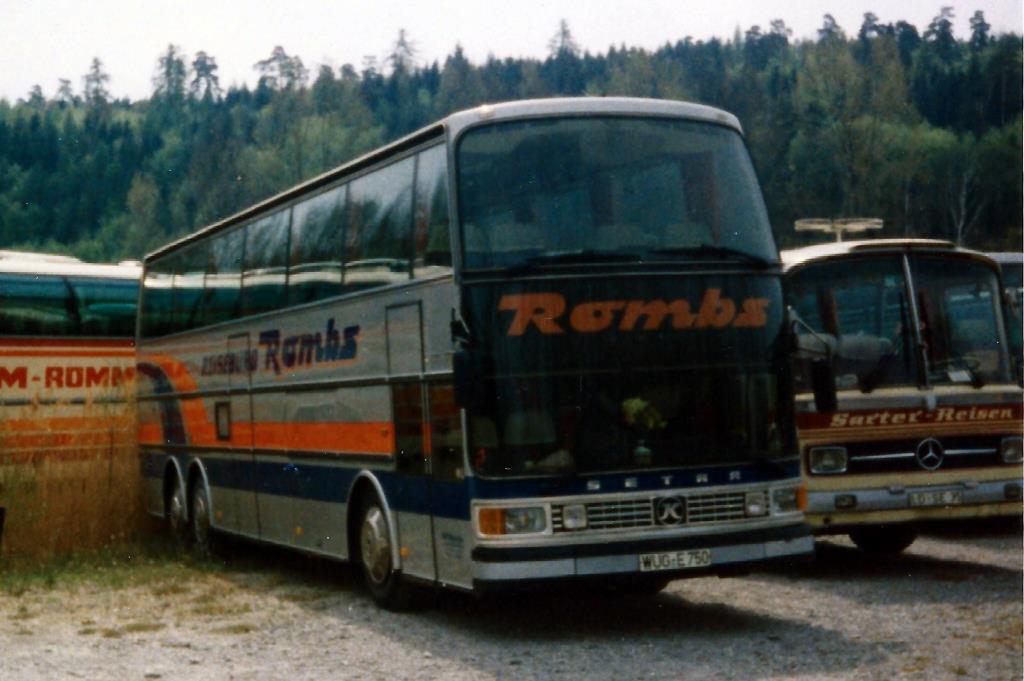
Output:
x=200 y=520
x=375 y=546
x=176 y=510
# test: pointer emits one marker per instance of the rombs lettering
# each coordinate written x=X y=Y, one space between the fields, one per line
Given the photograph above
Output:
x=287 y=352
x=546 y=313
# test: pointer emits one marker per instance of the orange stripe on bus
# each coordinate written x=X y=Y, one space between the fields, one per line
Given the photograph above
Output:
x=59 y=423
x=357 y=438
x=176 y=372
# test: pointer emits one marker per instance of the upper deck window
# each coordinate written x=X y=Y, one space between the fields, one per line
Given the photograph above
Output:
x=607 y=188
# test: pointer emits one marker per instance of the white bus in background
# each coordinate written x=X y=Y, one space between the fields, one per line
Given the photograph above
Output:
x=533 y=341
x=69 y=474
x=908 y=389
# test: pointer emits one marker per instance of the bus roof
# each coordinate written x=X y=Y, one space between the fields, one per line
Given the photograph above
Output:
x=556 y=106
x=17 y=262
x=454 y=123
x=798 y=257
x=1008 y=257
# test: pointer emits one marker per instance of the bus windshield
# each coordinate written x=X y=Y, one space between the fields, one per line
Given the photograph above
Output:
x=860 y=309
x=607 y=189
x=959 y=309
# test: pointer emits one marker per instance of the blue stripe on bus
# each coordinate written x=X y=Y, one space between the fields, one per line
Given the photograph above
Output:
x=451 y=499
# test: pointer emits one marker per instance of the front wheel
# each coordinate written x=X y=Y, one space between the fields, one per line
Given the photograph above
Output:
x=177 y=516
x=886 y=540
x=375 y=549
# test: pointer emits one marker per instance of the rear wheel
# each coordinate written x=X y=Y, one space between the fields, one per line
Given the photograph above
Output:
x=375 y=550
x=201 y=533
x=885 y=539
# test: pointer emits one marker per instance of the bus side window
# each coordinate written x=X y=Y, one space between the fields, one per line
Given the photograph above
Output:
x=378 y=238
x=407 y=406
x=35 y=306
x=157 y=298
x=105 y=307
x=222 y=288
x=445 y=433
x=431 y=237
x=266 y=260
x=314 y=266
x=190 y=270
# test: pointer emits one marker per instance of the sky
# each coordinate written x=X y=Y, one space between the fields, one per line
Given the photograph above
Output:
x=45 y=40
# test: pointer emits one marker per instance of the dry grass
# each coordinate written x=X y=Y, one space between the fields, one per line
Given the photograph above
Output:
x=240 y=628
x=69 y=479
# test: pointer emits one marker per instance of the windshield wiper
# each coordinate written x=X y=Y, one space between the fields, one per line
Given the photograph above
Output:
x=711 y=252
x=584 y=256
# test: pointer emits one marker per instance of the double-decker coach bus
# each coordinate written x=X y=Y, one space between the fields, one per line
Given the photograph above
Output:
x=69 y=472
x=909 y=403
x=535 y=340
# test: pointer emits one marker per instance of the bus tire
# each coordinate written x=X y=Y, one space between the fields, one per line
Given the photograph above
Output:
x=375 y=550
x=887 y=540
x=202 y=536
x=176 y=511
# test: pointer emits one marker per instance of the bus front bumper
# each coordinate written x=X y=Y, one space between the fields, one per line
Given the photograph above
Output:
x=836 y=510
x=734 y=552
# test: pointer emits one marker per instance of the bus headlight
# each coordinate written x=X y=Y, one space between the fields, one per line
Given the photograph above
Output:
x=521 y=520
x=574 y=516
x=755 y=503
x=1011 y=449
x=789 y=499
x=825 y=460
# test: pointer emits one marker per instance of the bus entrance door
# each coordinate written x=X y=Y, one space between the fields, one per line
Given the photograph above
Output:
x=413 y=490
x=241 y=478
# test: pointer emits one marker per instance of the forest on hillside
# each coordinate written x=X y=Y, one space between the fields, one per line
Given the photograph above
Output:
x=915 y=125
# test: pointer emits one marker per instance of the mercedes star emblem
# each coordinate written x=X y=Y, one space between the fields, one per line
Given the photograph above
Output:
x=929 y=454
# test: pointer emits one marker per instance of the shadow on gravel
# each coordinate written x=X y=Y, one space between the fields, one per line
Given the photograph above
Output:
x=980 y=530
x=908 y=577
x=579 y=633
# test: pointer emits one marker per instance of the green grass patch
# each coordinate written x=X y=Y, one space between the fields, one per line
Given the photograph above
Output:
x=157 y=561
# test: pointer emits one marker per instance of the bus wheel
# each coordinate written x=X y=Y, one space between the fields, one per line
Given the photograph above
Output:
x=201 y=533
x=885 y=539
x=177 y=517
x=384 y=583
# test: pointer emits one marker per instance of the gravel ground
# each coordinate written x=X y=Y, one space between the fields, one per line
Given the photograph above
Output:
x=950 y=608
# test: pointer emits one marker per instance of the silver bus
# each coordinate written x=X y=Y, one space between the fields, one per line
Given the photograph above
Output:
x=535 y=340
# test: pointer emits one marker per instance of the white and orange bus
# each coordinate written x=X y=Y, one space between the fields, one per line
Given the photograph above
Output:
x=68 y=463
x=908 y=394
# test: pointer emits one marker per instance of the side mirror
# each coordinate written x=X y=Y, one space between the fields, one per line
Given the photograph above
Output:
x=823 y=383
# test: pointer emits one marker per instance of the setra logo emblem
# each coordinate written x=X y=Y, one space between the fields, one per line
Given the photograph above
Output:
x=929 y=454
x=670 y=511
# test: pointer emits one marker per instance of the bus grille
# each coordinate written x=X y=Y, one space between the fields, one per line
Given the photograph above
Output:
x=639 y=512
x=710 y=508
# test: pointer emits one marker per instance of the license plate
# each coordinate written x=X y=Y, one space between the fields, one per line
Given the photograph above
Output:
x=936 y=498
x=675 y=560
